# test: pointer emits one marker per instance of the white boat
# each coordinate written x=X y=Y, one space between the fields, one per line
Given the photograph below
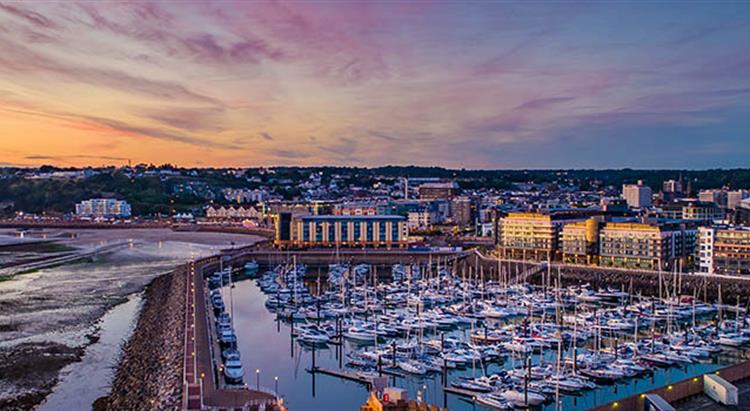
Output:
x=314 y=337
x=412 y=367
x=491 y=402
x=233 y=371
x=519 y=399
x=359 y=334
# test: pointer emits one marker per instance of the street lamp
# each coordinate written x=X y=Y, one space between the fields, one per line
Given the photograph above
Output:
x=276 y=385
x=257 y=379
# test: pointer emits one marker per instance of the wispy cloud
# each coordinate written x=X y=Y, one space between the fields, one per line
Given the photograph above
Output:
x=373 y=82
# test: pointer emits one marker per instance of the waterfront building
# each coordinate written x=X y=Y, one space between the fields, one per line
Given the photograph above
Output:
x=389 y=231
x=103 y=208
x=434 y=191
x=646 y=245
x=724 y=250
x=580 y=242
x=532 y=236
x=637 y=195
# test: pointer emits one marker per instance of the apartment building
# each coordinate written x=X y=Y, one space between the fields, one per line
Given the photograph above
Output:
x=103 y=208
x=580 y=242
x=532 y=236
x=723 y=250
x=646 y=245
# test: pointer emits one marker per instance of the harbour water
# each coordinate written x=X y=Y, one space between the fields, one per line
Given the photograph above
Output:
x=268 y=352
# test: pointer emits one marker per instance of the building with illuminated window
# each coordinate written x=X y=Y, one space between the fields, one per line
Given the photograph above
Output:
x=532 y=236
x=646 y=245
x=580 y=242
x=388 y=231
x=103 y=208
x=724 y=250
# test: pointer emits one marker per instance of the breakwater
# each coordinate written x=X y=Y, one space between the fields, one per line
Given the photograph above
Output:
x=149 y=375
x=708 y=287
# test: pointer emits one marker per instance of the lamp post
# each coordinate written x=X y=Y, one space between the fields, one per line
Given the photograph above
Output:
x=257 y=379
x=276 y=385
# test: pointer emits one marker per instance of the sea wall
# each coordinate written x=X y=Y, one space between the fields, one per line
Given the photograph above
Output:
x=149 y=375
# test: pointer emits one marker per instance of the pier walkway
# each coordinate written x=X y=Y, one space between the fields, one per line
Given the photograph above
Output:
x=203 y=390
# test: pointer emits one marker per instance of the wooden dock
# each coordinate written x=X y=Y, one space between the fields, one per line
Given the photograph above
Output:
x=347 y=375
x=460 y=392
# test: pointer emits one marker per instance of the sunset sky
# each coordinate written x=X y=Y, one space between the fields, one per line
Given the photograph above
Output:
x=458 y=84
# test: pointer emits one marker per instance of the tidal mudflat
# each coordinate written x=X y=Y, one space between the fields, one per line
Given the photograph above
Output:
x=51 y=317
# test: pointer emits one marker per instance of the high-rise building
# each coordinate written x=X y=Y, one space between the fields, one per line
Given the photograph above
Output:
x=724 y=250
x=637 y=195
x=734 y=197
x=103 y=208
x=672 y=186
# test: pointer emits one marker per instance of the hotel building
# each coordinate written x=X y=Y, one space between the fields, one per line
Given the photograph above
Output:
x=387 y=231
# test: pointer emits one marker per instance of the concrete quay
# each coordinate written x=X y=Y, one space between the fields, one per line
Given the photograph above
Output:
x=204 y=389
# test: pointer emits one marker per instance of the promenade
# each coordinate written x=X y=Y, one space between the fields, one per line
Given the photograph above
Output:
x=203 y=388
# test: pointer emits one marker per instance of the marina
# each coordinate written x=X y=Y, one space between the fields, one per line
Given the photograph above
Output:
x=452 y=338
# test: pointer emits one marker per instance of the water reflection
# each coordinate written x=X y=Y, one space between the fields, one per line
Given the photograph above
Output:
x=266 y=346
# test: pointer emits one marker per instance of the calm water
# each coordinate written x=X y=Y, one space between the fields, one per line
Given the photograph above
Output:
x=266 y=346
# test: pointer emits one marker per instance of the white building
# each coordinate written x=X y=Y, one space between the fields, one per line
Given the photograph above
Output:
x=103 y=208
x=637 y=195
x=419 y=220
x=223 y=213
x=242 y=195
